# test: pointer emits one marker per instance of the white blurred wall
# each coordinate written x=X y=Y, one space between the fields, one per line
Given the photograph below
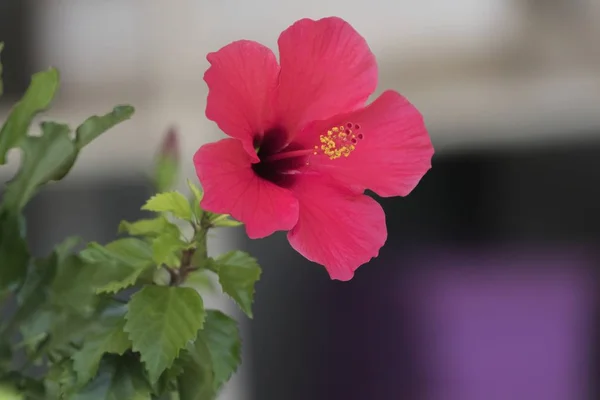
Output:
x=482 y=71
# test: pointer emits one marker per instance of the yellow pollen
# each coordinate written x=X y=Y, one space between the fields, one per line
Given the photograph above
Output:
x=339 y=141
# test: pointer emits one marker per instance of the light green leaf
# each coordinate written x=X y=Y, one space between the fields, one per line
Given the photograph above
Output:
x=45 y=158
x=109 y=339
x=14 y=254
x=238 y=272
x=160 y=321
x=9 y=392
x=1 y=83
x=196 y=382
x=119 y=378
x=166 y=249
x=173 y=202
x=222 y=338
x=37 y=98
x=224 y=221
x=201 y=281
x=148 y=227
x=197 y=196
x=117 y=281
x=166 y=173
x=97 y=125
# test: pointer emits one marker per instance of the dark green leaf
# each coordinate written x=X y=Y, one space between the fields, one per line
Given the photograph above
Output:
x=173 y=202
x=222 y=338
x=5 y=353
x=129 y=251
x=109 y=339
x=97 y=125
x=74 y=286
x=119 y=378
x=35 y=289
x=45 y=158
x=37 y=98
x=60 y=380
x=1 y=84
x=160 y=321
x=238 y=272
x=197 y=380
x=119 y=264
x=148 y=227
x=14 y=254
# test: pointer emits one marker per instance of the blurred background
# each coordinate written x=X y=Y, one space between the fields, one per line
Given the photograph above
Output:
x=487 y=287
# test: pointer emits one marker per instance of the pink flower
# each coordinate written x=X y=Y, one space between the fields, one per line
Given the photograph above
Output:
x=304 y=147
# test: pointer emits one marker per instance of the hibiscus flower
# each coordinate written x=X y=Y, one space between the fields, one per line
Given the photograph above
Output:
x=303 y=146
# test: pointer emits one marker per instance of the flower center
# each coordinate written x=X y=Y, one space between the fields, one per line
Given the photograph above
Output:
x=280 y=163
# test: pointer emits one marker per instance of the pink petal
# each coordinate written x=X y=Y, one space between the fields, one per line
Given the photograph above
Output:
x=337 y=228
x=326 y=68
x=241 y=82
x=391 y=158
x=231 y=187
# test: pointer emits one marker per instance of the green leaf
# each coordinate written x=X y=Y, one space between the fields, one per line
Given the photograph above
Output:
x=130 y=251
x=60 y=380
x=5 y=354
x=166 y=173
x=166 y=249
x=119 y=264
x=197 y=196
x=201 y=281
x=110 y=339
x=173 y=202
x=37 y=98
x=148 y=227
x=222 y=338
x=197 y=380
x=45 y=158
x=1 y=83
x=97 y=125
x=119 y=378
x=238 y=272
x=166 y=169
x=14 y=254
x=35 y=290
x=160 y=321
x=74 y=286
x=9 y=392
x=224 y=221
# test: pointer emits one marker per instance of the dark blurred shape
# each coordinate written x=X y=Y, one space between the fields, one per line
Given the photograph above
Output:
x=15 y=32
x=91 y=211
x=511 y=210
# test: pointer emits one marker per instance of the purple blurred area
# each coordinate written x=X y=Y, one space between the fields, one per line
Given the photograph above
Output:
x=505 y=324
